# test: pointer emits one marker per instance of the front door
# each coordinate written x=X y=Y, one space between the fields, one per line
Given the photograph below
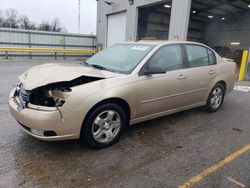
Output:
x=162 y=92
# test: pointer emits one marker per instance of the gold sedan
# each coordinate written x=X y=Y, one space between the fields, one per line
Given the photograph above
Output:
x=123 y=85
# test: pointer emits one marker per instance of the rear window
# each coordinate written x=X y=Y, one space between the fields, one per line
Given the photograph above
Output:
x=199 y=56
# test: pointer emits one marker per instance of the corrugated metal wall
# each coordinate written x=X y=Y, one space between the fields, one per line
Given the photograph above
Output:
x=41 y=39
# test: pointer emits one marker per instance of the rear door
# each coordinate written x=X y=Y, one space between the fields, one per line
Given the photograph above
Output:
x=201 y=72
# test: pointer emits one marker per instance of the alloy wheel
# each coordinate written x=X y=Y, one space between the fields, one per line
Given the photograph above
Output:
x=216 y=98
x=106 y=126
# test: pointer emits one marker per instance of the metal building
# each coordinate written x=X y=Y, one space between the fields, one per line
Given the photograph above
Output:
x=123 y=20
x=223 y=23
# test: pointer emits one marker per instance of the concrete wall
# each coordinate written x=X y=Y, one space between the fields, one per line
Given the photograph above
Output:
x=234 y=29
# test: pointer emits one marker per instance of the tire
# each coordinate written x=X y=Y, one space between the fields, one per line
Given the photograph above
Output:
x=103 y=126
x=215 y=98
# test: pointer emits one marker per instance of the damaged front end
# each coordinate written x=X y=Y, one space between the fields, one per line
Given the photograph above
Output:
x=53 y=95
x=42 y=96
x=49 y=96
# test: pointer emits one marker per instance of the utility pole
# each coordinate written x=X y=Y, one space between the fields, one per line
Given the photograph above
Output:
x=79 y=16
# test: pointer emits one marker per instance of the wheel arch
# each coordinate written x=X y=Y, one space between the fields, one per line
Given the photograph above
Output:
x=119 y=101
x=216 y=81
x=208 y=102
x=223 y=83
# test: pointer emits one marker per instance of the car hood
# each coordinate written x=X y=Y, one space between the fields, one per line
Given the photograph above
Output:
x=52 y=73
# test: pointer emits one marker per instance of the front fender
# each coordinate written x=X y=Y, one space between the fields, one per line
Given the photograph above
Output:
x=85 y=97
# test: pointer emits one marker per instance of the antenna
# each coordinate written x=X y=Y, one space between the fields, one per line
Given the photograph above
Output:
x=79 y=16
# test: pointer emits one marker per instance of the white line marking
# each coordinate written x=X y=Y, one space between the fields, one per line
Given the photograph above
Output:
x=242 y=88
x=236 y=182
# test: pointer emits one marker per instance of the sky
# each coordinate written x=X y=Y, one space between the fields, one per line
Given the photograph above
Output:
x=65 y=10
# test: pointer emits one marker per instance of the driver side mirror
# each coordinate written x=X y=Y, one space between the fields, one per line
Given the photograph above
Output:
x=154 y=70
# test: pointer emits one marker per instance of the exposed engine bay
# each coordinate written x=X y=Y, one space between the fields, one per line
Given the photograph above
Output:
x=51 y=95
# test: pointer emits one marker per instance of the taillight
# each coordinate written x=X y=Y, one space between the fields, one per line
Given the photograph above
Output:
x=236 y=69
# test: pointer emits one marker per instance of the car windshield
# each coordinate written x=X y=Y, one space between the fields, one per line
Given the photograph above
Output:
x=122 y=58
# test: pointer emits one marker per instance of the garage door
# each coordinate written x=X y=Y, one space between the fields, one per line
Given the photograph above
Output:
x=223 y=25
x=116 y=28
x=153 y=22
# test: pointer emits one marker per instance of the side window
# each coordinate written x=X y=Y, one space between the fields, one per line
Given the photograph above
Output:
x=197 y=56
x=168 y=58
x=212 y=58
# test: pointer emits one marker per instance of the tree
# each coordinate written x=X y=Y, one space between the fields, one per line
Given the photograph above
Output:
x=1 y=19
x=45 y=26
x=11 y=19
x=56 y=25
x=25 y=23
x=64 y=30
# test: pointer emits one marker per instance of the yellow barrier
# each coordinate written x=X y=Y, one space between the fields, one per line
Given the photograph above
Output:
x=99 y=49
x=47 y=50
x=243 y=65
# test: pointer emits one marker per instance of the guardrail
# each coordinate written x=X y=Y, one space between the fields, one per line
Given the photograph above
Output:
x=56 y=52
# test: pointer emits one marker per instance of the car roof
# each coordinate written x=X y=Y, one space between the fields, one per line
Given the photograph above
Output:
x=161 y=42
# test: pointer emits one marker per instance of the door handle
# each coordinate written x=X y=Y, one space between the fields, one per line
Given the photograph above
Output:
x=181 y=77
x=211 y=72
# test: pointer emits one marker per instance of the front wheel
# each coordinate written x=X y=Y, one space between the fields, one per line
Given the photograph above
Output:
x=215 y=98
x=104 y=125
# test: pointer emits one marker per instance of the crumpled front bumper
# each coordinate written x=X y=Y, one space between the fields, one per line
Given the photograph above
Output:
x=45 y=120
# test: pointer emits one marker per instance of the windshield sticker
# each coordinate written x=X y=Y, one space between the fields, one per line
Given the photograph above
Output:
x=142 y=48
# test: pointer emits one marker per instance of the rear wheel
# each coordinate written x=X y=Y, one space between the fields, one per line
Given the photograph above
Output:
x=215 y=98
x=104 y=125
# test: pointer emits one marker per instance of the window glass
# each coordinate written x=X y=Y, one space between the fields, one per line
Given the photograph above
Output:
x=197 y=56
x=212 y=58
x=122 y=58
x=168 y=58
